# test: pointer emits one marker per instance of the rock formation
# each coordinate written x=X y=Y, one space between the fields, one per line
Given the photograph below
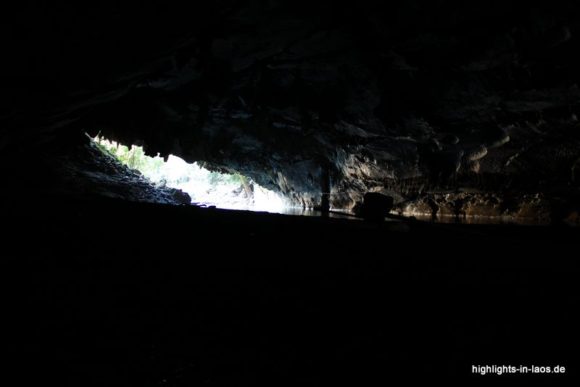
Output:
x=418 y=98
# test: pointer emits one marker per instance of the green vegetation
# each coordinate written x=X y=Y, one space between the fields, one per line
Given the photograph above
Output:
x=153 y=167
x=203 y=186
x=134 y=157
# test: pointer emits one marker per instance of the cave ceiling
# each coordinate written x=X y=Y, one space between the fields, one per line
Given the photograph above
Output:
x=382 y=96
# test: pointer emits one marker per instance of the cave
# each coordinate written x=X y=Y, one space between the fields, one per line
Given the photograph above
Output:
x=434 y=145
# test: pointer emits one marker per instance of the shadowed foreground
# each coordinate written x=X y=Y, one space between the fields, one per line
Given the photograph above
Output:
x=109 y=293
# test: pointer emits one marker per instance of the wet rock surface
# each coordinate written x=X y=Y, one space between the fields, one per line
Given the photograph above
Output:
x=531 y=207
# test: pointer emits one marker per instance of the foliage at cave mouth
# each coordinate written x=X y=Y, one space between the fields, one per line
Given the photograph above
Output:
x=205 y=187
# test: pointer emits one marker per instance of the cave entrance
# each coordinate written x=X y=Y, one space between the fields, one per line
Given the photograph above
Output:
x=205 y=187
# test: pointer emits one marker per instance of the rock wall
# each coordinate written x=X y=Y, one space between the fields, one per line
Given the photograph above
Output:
x=404 y=99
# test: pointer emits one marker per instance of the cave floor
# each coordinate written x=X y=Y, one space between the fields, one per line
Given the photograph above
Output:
x=105 y=292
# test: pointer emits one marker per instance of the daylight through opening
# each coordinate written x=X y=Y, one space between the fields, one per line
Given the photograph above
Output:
x=205 y=187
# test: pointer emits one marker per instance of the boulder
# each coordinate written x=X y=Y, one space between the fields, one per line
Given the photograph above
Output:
x=375 y=206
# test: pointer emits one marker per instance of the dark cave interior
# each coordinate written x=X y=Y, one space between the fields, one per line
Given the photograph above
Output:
x=447 y=108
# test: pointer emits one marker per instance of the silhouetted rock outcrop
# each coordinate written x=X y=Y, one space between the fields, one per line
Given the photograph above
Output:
x=375 y=206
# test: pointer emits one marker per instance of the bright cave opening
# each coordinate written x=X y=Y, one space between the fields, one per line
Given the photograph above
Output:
x=205 y=187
